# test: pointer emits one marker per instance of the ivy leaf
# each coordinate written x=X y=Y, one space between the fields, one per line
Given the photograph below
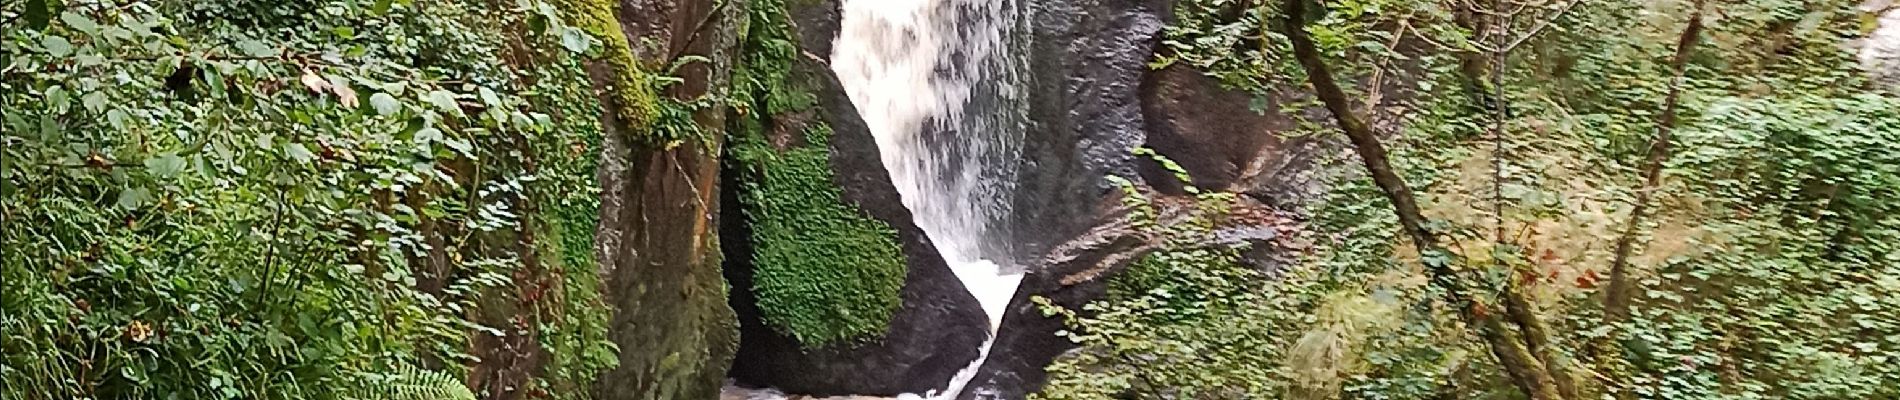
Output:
x=36 y=14
x=575 y=40
x=79 y=22
x=384 y=103
x=444 y=100
x=489 y=98
x=343 y=91
x=1258 y=105
x=215 y=81
x=50 y=128
x=537 y=23
x=94 y=101
x=16 y=123
x=58 y=97
x=298 y=152
x=460 y=146
x=428 y=134
x=133 y=198
x=255 y=48
x=165 y=166
x=56 y=45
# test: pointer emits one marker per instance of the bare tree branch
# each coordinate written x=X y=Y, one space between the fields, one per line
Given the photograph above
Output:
x=1617 y=296
x=1541 y=25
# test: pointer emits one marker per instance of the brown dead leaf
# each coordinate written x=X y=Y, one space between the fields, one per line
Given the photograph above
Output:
x=315 y=82
x=347 y=95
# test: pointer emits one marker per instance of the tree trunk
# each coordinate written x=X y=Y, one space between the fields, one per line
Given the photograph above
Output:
x=1483 y=74
x=658 y=255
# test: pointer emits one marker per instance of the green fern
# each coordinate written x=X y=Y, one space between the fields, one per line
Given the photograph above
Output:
x=408 y=382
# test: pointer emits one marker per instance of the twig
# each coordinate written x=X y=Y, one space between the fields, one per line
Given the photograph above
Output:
x=1499 y=113
x=270 y=251
x=1545 y=23
x=1407 y=25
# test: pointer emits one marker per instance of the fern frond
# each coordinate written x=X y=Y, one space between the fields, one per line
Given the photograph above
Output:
x=409 y=382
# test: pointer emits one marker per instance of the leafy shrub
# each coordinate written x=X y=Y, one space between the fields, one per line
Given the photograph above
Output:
x=280 y=200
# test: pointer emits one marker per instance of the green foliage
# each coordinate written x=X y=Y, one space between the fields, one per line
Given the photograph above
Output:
x=574 y=326
x=825 y=272
x=1795 y=298
x=637 y=75
x=280 y=200
x=1183 y=323
x=1766 y=274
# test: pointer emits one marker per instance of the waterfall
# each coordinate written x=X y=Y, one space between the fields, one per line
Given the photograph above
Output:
x=933 y=82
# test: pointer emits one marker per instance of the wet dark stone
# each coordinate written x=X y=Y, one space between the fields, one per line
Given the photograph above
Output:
x=1086 y=64
x=1221 y=139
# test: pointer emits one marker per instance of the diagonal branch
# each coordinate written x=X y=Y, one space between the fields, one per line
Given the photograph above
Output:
x=1617 y=296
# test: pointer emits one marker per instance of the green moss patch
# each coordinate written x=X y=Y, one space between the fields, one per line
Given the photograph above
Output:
x=825 y=272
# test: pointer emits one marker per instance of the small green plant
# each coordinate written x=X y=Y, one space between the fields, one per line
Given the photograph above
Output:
x=409 y=382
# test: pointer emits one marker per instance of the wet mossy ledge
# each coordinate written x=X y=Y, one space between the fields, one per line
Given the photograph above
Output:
x=825 y=272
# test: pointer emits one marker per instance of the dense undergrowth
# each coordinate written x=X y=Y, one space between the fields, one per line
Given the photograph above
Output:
x=1768 y=271
x=297 y=200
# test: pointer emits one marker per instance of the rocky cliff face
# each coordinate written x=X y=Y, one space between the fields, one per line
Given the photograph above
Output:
x=1086 y=59
x=1094 y=98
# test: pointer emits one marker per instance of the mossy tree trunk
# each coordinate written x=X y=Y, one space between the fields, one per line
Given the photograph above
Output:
x=659 y=176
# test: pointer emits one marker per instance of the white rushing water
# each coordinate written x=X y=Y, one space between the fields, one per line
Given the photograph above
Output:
x=932 y=81
x=1880 y=50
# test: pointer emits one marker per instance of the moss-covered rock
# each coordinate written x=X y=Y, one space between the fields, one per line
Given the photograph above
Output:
x=825 y=272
